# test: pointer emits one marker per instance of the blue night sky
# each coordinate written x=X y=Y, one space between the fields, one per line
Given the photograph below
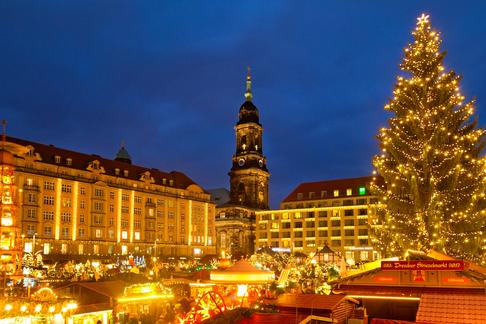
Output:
x=168 y=78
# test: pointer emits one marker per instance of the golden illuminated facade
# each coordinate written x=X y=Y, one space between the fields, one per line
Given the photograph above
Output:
x=249 y=175
x=335 y=212
x=10 y=239
x=71 y=203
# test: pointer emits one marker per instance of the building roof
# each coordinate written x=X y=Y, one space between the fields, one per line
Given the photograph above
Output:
x=219 y=196
x=81 y=161
x=329 y=186
x=243 y=266
x=242 y=272
x=310 y=301
x=440 y=308
x=112 y=289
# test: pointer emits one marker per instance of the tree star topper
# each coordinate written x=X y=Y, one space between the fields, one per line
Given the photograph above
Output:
x=424 y=19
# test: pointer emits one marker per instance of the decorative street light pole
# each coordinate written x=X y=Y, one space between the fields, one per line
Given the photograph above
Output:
x=33 y=243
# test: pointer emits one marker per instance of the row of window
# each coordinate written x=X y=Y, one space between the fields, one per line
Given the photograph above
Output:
x=320 y=233
x=312 y=243
x=335 y=193
x=99 y=193
x=314 y=214
x=312 y=224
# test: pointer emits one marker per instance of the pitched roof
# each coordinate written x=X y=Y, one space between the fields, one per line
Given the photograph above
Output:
x=112 y=289
x=309 y=301
x=440 y=308
x=81 y=161
x=329 y=186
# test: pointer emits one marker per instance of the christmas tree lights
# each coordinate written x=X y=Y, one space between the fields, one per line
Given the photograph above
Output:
x=432 y=160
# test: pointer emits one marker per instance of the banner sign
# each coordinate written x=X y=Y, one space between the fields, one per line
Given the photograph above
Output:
x=423 y=265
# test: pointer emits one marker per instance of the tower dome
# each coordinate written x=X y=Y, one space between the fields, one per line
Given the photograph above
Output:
x=123 y=155
x=248 y=111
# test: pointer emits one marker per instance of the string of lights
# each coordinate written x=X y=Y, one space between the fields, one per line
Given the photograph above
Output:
x=432 y=160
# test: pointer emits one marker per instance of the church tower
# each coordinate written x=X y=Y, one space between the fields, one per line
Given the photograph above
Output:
x=249 y=174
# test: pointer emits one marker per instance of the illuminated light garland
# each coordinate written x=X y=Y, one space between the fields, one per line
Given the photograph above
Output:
x=430 y=160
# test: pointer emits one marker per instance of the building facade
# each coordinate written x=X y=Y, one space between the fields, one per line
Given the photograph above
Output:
x=70 y=203
x=335 y=212
x=10 y=237
x=235 y=220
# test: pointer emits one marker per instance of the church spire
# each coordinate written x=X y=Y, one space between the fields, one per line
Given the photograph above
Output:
x=248 y=95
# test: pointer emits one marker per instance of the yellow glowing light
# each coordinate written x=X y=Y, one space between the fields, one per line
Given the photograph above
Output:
x=242 y=277
x=23 y=308
x=132 y=214
x=57 y=230
x=242 y=290
x=383 y=297
x=38 y=308
x=75 y=209
x=72 y=306
x=8 y=307
x=52 y=309
x=146 y=297
x=7 y=221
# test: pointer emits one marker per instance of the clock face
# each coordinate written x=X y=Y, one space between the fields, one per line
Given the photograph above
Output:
x=241 y=162
x=260 y=163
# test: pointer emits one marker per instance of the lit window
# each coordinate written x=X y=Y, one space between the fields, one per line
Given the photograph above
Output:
x=349 y=192
x=69 y=161
x=98 y=233
x=80 y=249
x=124 y=250
x=336 y=193
x=124 y=235
x=137 y=235
x=64 y=248
x=47 y=248
x=47 y=231
x=30 y=182
x=96 y=249
x=57 y=158
x=362 y=191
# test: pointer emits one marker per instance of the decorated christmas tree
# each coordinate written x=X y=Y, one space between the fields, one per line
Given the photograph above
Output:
x=432 y=160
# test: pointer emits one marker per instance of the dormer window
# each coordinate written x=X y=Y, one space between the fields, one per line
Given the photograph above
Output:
x=69 y=161
x=164 y=181
x=57 y=159
x=336 y=193
x=171 y=182
x=349 y=192
x=117 y=171
x=300 y=196
x=125 y=173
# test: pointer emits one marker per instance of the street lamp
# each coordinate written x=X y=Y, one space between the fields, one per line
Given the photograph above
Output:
x=155 y=247
x=33 y=243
